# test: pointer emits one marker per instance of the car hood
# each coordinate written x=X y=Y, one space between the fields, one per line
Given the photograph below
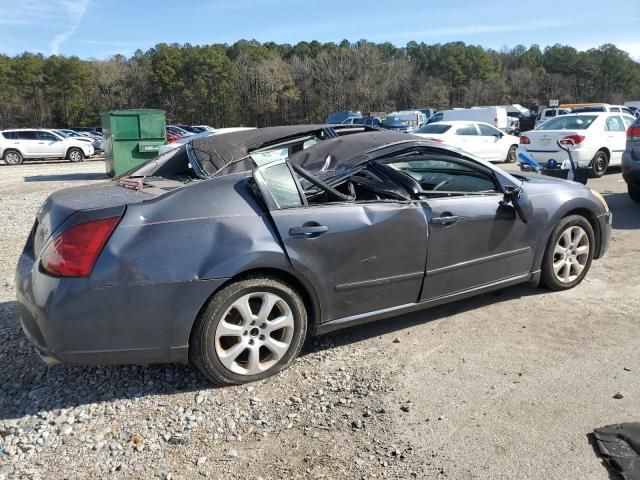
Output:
x=536 y=183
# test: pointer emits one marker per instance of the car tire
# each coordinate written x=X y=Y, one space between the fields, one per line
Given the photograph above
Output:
x=569 y=253
x=599 y=164
x=233 y=340
x=75 y=155
x=634 y=192
x=512 y=154
x=13 y=157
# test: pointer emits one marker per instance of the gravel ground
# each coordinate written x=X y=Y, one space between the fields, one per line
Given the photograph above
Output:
x=505 y=385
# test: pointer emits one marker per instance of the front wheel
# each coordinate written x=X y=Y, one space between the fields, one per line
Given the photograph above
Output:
x=568 y=255
x=511 y=154
x=634 y=192
x=75 y=155
x=599 y=165
x=249 y=330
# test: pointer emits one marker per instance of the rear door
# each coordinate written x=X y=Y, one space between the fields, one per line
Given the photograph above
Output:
x=468 y=138
x=615 y=131
x=28 y=142
x=360 y=256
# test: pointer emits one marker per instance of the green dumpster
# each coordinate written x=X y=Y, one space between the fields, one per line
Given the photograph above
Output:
x=131 y=137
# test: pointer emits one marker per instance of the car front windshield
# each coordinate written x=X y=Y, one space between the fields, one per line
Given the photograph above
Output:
x=568 y=122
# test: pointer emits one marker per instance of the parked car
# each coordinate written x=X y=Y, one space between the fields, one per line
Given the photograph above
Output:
x=336 y=118
x=477 y=138
x=96 y=140
x=371 y=121
x=415 y=118
x=207 y=257
x=97 y=129
x=204 y=127
x=175 y=130
x=189 y=128
x=496 y=116
x=548 y=113
x=16 y=145
x=396 y=124
x=631 y=161
x=428 y=112
x=604 y=108
x=172 y=137
x=599 y=140
x=179 y=141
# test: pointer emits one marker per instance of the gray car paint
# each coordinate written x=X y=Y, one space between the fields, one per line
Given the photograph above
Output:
x=173 y=250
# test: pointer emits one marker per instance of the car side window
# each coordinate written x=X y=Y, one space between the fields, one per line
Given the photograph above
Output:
x=446 y=175
x=10 y=135
x=614 y=109
x=28 y=135
x=281 y=184
x=615 y=124
x=49 y=137
x=467 y=130
x=488 y=131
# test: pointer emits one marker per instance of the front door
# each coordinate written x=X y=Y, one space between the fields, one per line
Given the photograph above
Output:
x=360 y=257
x=475 y=238
x=49 y=145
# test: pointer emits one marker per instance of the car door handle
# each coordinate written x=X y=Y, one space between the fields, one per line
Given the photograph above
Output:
x=308 y=231
x=446 y=220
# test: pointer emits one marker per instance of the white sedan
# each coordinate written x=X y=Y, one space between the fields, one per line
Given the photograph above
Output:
x=599 y=140
x=478 y=138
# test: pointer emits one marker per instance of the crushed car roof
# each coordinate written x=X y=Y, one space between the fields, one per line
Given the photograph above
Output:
x=217 y=151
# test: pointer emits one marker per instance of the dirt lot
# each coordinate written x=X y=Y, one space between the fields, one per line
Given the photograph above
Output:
x=506 y=385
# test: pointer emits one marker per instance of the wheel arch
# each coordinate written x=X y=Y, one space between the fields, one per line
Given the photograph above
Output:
x=302 y=286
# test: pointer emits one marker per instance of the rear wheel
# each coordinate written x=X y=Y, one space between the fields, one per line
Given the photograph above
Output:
x=599 y=164
x=249 y=330
x=511 y=154
x=569 y=253
x=634 y=192
x=13 y=157
x=75 y=155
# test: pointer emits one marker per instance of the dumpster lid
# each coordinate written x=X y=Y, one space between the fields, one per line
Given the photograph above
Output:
x=216 y=151
x=138 y=111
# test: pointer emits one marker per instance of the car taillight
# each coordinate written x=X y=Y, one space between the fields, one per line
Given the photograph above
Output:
x=572 y=140
x=633 y=132
x=74 y=252
x=524 y=140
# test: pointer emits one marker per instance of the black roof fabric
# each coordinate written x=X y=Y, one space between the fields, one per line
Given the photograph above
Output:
x=333 y=156
x=620 y=447
x=216 y=151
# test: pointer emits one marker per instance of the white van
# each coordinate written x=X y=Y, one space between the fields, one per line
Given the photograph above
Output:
x=496 y=116
x=547 y=113
x=414 y=118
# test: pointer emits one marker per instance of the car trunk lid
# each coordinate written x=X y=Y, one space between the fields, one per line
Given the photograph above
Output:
x=93 y=200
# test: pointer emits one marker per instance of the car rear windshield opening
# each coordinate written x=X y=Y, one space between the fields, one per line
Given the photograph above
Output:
x=433 y=128
x=569 y=122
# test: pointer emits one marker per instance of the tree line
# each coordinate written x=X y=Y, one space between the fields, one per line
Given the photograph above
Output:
x=259 y=84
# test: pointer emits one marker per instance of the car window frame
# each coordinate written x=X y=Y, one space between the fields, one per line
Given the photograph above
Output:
x=485 y=170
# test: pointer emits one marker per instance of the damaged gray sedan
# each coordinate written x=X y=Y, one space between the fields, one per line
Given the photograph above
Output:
x=230 y=250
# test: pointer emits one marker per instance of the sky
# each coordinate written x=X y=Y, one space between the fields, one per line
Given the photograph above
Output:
x=102 y=28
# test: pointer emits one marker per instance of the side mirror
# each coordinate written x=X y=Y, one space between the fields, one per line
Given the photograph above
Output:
x=516 y=197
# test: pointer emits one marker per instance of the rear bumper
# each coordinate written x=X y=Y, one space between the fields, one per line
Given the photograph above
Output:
x=582 y=158
x=630 y=168
x=69 y=321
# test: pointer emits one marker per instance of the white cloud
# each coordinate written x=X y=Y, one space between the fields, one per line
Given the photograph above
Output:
x=75 y=10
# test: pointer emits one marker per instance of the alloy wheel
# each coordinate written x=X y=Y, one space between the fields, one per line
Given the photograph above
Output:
x=255 y=333
x=12 y=158
x=571 y=254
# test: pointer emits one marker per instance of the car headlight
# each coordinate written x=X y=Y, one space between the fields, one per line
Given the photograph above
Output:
x=601 y=198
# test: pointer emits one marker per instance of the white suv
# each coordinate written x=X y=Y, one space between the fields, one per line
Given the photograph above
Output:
x=19 y=144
